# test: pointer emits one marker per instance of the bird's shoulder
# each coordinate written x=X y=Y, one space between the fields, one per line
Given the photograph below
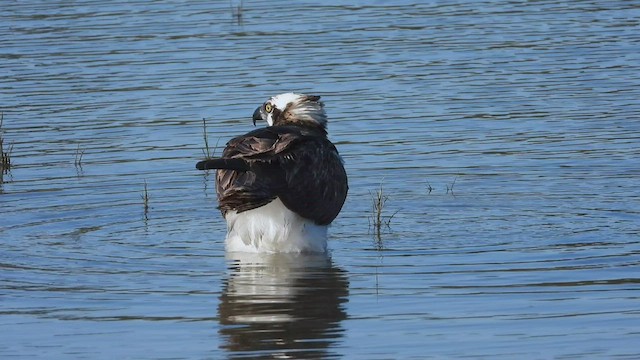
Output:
x=270 y=141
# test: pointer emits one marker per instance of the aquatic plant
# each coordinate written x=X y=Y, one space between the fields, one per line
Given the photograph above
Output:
x=5 y=154
x=236 y=11
x=78 y=157
x=145 y=200
x=450 y=188
x=206 y=151
x=377 y=219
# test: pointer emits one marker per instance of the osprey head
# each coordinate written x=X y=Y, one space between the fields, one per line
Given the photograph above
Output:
x=290 y=108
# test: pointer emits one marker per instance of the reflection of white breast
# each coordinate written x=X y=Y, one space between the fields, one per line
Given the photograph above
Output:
x=261 y=286
x=281 y=305
x=273 y=228
x=268 y=284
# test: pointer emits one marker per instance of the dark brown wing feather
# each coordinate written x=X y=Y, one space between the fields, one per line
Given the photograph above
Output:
x=297 y=164
x=316 y=182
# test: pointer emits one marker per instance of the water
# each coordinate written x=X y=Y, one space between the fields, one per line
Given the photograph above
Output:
x=505 y=135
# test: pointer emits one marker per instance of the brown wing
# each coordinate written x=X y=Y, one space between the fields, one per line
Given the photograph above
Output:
x=263 y=144
x=298 y=165
x=246 y=190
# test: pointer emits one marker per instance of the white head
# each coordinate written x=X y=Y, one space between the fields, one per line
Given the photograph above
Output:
x=291 y=108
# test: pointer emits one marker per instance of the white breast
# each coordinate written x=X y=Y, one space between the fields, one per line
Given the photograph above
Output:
x=273 y=228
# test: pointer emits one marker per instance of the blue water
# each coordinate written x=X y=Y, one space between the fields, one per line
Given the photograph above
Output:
x=505 y=135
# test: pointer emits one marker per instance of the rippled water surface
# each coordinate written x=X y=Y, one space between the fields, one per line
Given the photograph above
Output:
x=505 y=134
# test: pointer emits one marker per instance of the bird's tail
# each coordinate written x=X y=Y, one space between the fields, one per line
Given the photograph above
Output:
x=222 y=163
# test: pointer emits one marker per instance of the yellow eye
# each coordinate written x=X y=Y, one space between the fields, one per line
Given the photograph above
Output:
x=268 y=107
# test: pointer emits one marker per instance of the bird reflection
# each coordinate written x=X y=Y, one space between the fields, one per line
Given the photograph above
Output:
x=282 y=306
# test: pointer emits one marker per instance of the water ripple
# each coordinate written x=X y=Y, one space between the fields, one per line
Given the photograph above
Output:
x=503 y=133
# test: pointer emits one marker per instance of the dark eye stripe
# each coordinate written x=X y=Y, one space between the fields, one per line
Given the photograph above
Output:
x=276 y=114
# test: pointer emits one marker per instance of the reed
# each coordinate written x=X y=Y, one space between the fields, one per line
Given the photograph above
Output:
x=5 y=154
x=429 y=187
x=208 y=154
x=378 y=220
x=236 y=11
x=206 y=150
x=450 y=187
x=78 y=157
x=145 y=199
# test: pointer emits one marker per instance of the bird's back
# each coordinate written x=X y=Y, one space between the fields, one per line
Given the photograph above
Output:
x=295 y=186
x=279 y=187
x=300 y=166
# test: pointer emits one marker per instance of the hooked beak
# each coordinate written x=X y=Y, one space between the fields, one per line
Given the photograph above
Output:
x=257 y=115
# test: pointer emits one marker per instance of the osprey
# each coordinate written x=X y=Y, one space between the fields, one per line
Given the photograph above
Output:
x=279 y=187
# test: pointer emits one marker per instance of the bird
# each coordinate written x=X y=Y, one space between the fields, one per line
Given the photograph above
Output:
x=279 y=187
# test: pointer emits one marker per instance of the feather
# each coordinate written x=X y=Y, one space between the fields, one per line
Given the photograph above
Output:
x=284 y=182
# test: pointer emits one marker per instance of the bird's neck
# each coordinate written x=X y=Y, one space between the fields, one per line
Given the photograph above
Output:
x=306 y=125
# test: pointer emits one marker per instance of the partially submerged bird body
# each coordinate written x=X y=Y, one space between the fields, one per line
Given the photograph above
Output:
x=279 y=187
